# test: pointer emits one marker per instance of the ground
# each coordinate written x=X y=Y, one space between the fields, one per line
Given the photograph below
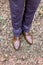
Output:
x=27 y=55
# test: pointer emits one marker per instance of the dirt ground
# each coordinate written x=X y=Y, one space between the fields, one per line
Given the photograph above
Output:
x=27 y=55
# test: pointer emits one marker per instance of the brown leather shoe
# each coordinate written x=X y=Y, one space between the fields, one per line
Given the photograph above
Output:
x=16 y=42
x=28 y=37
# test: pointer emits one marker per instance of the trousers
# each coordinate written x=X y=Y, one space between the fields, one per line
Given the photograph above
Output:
x=22 y=13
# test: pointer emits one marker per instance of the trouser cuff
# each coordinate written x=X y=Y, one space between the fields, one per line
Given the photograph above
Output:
x=17 y=32
x=26 y=28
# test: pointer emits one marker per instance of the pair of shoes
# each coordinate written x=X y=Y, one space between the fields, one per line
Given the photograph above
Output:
x=16 y=40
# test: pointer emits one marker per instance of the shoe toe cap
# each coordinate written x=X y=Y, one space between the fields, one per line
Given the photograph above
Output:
x=16 y=44
x=29 y=38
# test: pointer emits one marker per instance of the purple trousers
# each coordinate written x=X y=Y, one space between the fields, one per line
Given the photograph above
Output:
x=22 y=13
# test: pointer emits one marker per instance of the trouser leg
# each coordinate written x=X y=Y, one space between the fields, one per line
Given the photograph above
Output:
x=17 y=9
x=31 y=6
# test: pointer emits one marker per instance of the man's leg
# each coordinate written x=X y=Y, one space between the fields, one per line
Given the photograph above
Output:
x=17 y=9
x=31 y=6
